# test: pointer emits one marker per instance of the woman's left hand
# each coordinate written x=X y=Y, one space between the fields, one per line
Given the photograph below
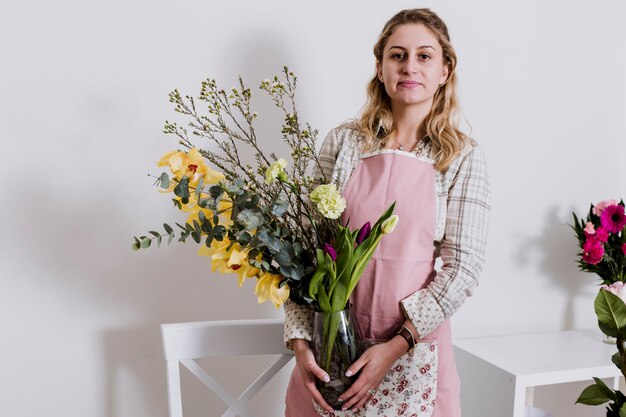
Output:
x=373 y=364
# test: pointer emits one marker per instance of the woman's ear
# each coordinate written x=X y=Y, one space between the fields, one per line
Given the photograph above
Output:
x=444 y=74
x=379 y=72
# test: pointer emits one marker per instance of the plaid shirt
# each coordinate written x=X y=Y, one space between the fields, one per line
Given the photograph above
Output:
x=462 y=206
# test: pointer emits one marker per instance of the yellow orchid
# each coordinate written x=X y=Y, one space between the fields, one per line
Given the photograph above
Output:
x=237 y=256
x=219 y=253
x=245 y=270
x=229 y=261
x=267 y=288
x=238 y=262
x=190 y=164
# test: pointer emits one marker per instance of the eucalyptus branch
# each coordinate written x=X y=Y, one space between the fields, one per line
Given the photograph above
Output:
x=268 y=219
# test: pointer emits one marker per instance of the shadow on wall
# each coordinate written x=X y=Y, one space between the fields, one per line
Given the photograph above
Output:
x=554 y=251
x=83 y=255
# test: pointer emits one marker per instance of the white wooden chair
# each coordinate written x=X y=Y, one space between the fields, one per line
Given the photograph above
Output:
x=185 y=342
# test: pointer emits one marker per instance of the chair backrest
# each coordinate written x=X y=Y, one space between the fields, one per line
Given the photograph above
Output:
x=185 y=342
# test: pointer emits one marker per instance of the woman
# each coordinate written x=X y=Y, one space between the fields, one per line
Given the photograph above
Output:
x=406 y=147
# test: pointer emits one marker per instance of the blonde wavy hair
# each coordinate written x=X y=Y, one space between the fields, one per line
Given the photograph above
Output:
x=442 y=123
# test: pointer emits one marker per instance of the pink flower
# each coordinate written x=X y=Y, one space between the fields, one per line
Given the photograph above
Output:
x=602 y=235
x=613 y=219
x=616 y=288
x=592 y=251
x=624 y=249
x=599 y=208
x=589 y=229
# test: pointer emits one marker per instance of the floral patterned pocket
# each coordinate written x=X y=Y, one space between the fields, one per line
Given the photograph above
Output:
x=409 y=388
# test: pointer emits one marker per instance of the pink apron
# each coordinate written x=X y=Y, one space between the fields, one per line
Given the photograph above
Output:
x=424 y=381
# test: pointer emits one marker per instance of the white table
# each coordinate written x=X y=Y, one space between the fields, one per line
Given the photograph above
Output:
x=498 y=374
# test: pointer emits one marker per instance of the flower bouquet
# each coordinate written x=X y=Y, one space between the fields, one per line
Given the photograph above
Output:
x=266 y=218
x=602 y=241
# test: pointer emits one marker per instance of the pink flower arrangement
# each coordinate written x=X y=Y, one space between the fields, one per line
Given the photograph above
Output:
x=602 y=241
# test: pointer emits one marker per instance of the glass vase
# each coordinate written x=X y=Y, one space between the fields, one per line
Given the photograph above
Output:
x=337 y=343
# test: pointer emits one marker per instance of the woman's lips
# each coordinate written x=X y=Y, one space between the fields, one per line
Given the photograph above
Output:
x=409 y=84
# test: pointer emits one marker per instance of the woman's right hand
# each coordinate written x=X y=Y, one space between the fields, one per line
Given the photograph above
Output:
x=310 y=370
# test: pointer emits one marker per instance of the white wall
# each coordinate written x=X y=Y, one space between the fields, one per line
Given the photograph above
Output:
x=83 y=97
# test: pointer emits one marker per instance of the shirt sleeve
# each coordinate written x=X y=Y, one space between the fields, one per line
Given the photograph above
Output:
x=462 y=247
x=327 y=158
x=299 y=318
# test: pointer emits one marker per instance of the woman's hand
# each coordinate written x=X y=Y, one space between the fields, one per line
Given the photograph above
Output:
x=373 y=364
x=310 y=370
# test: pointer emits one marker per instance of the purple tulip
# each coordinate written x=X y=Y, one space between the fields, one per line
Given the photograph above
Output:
x=330 y=251
x=364 y=232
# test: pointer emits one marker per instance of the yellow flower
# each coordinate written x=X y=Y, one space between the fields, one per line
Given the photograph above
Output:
x=220 y=254
x=245 y=270
x=237 y=256
x=190 y=164
x=329 y=201
x=227 y=261
x=267 y=288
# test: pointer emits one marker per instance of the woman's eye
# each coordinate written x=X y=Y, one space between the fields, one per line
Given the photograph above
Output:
x=397 y=56
x=424 y=57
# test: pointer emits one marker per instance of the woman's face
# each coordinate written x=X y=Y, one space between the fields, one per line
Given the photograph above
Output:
x=412 y=66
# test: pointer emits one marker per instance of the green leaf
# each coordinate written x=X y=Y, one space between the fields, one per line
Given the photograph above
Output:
x=617 y=360
x=170 y=238
x=592 y=395
x=177 y=203
x=168 y=228
x=274 y=245
x=158 y=239
x=145 y=242
x=608 y=392
x=285 y=270
x=164 y=180
x=244 y=238
x=182 y=189
x=611 y=312
x=250 y=219
x=216 y=191
x=199 y=187
x=280 y=204
x=155 y=234
x=219 y=232
x=297 y=272
x=136 y=246
x=318 y=276
x=622 y=411
x=235 y=187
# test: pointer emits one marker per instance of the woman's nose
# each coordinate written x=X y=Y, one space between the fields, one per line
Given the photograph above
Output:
x=410 y=66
